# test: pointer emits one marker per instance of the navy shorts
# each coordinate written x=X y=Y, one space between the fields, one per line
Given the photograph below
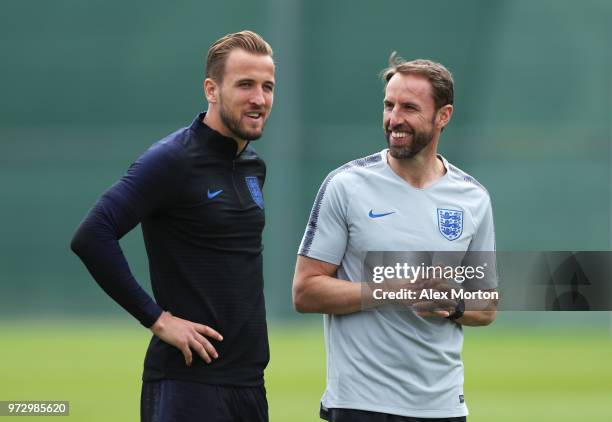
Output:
x=184 y=401
x=350 y=415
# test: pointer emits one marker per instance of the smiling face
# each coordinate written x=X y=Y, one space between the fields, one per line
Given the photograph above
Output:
x=410 y=119
x=243 y=99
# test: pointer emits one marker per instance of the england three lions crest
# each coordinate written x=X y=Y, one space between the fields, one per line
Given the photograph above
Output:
x=450 y=223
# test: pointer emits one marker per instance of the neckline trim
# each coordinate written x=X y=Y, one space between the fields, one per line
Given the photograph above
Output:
x=435 y=183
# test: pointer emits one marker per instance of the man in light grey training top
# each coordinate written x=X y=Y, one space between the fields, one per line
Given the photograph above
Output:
x=394 y=365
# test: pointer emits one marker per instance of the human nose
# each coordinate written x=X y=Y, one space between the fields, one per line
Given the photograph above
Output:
x=393 y=116
x=258 y=97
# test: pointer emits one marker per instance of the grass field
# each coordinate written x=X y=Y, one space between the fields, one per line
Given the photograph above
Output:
x=511 y=374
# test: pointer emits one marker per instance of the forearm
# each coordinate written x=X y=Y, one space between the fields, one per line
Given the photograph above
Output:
x=477 y=318
x=479 y=312
x=97 y=245
x=317 y=290
x=327 y=295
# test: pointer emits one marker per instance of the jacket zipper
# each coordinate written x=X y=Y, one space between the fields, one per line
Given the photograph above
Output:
x=236 y=191
x=234 y=176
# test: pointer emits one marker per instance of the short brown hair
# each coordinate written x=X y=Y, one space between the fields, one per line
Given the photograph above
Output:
x=439 y=77
x=217 y=53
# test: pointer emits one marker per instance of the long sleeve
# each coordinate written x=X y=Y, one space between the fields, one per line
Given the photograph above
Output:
x=149 y=185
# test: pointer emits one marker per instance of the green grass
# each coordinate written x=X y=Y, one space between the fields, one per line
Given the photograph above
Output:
x=511 y=375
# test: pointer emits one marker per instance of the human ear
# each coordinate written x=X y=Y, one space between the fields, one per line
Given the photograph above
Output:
x=210 y=90
x=444 y=115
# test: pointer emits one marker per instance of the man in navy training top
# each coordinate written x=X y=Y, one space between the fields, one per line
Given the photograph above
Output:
x=197 y=195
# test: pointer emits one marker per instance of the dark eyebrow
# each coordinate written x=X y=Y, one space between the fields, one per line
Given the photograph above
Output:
x=412 y=105
x=239 y=81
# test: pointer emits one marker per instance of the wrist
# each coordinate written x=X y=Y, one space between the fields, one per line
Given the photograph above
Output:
x=459 y=311
x=160 y=323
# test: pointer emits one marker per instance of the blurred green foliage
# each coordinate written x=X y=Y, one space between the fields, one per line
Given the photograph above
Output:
x=88 y=86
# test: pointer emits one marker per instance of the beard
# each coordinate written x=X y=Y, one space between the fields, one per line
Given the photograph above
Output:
x=233 y=123
x=420 y=139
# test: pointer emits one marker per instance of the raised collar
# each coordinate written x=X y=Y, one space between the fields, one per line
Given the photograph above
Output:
x=223 y=145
